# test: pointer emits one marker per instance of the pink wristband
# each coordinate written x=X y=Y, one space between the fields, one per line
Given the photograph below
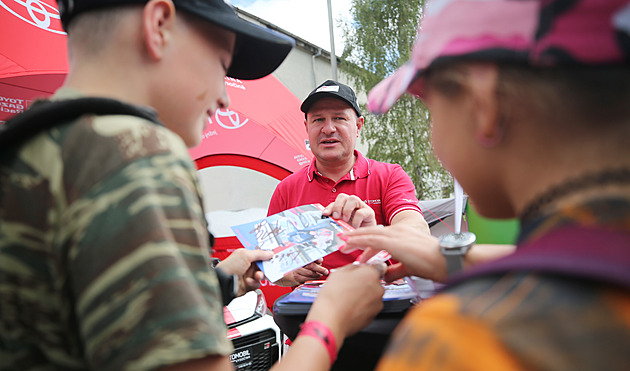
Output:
x=322 y=333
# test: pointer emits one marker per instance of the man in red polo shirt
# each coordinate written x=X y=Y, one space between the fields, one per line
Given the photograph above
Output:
x=341 y=174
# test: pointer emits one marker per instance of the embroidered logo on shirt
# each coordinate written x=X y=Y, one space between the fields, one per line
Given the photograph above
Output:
x=373 y=202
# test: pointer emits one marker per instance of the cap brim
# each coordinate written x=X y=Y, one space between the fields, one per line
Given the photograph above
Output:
x=387 y=92
x=259 y=53
x=259 y=50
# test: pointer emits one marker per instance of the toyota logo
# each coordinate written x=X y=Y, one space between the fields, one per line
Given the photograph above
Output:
x=36 y=12
x=229 y=119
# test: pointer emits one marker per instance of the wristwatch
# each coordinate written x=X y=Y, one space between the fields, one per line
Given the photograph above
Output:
x=454 y=246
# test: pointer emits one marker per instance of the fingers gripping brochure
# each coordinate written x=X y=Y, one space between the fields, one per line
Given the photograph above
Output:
x=297 y=236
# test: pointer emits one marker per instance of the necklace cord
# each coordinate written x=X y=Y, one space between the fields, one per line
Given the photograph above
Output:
x=606 y=177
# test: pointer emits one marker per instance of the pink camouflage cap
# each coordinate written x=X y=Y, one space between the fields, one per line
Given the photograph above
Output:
x=536 y=32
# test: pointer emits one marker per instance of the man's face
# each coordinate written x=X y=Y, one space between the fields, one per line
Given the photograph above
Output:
x=333 y=127
x=198 y=61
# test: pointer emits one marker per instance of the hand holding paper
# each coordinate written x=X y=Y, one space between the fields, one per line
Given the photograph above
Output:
x=297 y=236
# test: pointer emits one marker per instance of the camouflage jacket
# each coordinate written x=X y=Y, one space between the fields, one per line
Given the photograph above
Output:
x=104 y=256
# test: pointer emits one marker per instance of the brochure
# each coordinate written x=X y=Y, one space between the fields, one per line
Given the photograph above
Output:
x=297 y=236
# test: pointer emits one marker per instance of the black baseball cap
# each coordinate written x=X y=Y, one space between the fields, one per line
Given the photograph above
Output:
x=334 y=89
x=259 y=51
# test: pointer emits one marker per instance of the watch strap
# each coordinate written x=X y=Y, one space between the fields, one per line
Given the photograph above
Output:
x=454 y=246
x=454 y=261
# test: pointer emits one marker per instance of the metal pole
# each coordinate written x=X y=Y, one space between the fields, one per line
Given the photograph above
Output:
x=333 y=56
x=319 y=52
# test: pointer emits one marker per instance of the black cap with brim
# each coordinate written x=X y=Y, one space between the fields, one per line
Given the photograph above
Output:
x=331 y=89
x=259 y=50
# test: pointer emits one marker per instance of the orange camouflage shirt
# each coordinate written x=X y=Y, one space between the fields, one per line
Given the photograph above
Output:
x=523 y=320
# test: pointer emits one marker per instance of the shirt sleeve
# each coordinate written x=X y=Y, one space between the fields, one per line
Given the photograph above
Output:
x=434 y=336
x=278 y=200
x=144 y=294
x=399 y=194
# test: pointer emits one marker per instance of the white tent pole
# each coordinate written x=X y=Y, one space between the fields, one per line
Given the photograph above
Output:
x=333 y=56
x=459 y=198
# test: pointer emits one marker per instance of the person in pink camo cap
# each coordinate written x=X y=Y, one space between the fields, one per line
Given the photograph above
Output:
x=529 y=103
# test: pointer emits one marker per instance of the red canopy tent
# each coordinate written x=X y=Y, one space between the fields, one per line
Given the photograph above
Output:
x=33 y=57
x=262 y=129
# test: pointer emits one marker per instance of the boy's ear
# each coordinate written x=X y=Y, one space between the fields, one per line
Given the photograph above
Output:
x=483 y=79
x=158 y=20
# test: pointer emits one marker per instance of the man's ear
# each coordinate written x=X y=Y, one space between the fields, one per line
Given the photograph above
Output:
x=482 y=81
x=360 y=122
x=158 y=20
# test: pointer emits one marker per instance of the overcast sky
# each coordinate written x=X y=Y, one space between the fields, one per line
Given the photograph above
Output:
x=307 y=19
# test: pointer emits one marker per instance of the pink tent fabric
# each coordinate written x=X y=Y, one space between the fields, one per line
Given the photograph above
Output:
x=33 y=56
x=263 y=122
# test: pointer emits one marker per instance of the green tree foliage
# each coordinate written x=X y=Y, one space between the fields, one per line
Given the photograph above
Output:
x=379 y=39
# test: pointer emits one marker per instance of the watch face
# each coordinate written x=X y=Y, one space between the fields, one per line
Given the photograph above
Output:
x=457 y=240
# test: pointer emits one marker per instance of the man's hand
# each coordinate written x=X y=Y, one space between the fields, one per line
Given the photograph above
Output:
x=309 y=272
x=351 y=210
x=242 y=263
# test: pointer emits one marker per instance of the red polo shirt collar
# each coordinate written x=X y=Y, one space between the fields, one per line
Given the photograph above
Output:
x=361 y=169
